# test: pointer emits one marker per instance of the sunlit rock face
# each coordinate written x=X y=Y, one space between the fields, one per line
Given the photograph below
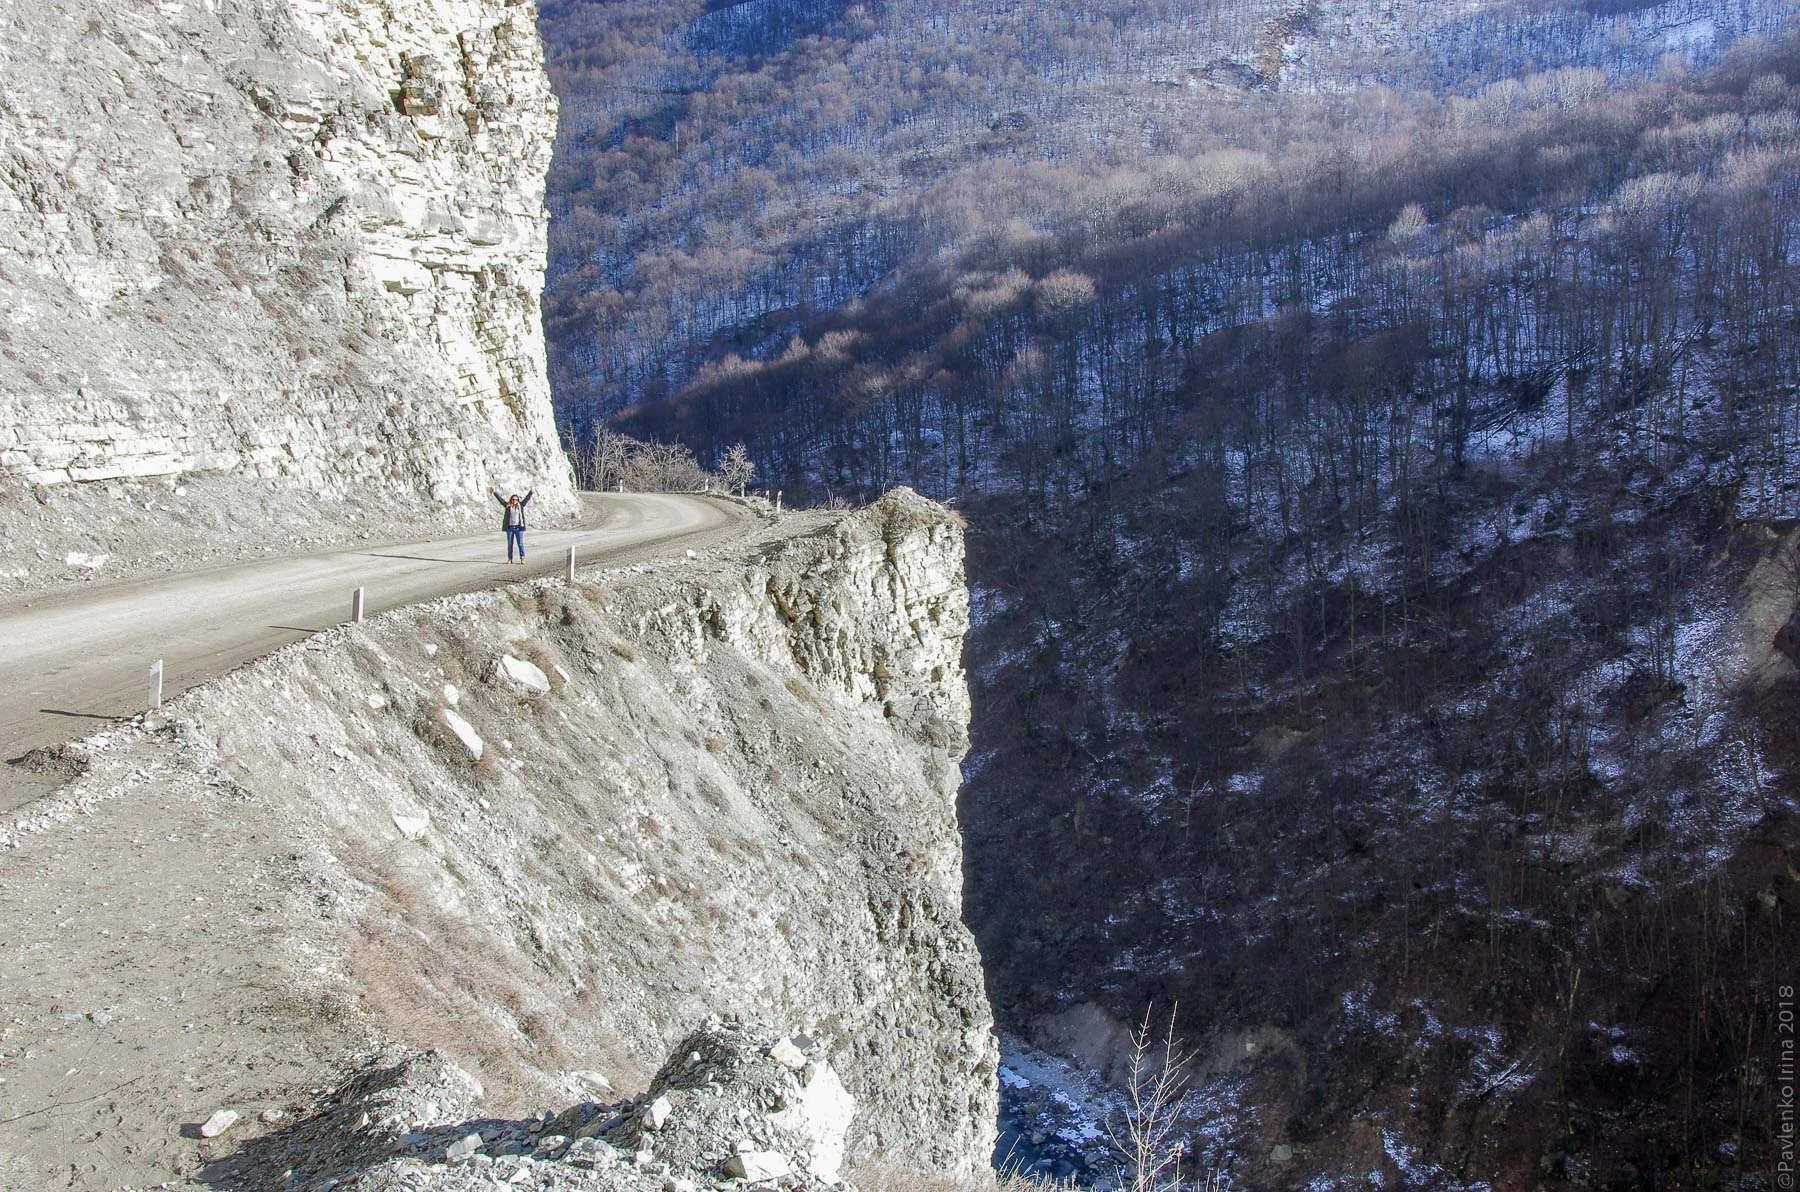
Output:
x=298 y=241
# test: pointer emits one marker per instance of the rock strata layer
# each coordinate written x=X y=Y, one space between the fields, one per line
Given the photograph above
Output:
x=299 y=241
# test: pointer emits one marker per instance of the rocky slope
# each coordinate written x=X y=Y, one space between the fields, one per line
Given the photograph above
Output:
x=734 y=1103
x=548 y=831
x=286 y=257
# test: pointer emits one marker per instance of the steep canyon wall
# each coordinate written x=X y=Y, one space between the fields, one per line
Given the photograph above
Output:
x=294 y=243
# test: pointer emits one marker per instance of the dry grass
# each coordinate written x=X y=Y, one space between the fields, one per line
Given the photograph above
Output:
x=887 y=1176
x=900 y=518
x=805 y=692
x=438 y=980
x=715 y=796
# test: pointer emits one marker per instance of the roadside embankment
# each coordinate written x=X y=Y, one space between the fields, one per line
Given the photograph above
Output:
x=547 y=830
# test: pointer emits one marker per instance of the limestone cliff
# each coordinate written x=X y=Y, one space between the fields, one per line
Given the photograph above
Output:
x=548 y=830
x=299 y=242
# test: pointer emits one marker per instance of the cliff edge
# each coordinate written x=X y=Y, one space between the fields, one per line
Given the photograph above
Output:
x=548 y=831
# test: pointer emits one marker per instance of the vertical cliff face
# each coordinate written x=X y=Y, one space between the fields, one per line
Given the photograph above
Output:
x=298 y=241
x=548 y=830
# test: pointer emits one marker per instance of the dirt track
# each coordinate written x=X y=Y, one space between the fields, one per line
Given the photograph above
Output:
x=72 y=662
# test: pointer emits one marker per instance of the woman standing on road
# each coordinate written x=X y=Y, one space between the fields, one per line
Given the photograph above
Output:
x=512 y=521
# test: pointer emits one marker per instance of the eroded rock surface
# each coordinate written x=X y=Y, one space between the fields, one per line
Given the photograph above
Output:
x=736 y=797
x=298 y=242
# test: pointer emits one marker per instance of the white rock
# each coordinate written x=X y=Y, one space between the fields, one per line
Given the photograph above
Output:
x=221 y=1121
x=587 y=1080
x=822 y=1116
x=452 y=696
x=523 y=675
x=87 y=562
x=431 y=649
x=656 y=1114
x=413 y=826
x=590 y=1152
x=788 y=1055
x=462 y=1149
x=377 y=703
x=465 y=732
x=758 y=1165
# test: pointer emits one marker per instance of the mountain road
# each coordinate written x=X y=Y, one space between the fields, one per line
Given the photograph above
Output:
x=72 y=661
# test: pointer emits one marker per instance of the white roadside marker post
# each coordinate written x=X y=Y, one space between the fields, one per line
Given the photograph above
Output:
x=156 y=677
x=778 y=500
x=571 y=566
x=356 y=606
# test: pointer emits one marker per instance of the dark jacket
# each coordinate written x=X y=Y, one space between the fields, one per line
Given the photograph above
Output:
x=513 y=518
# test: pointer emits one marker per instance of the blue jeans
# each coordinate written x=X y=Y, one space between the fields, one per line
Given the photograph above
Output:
x=515 y=535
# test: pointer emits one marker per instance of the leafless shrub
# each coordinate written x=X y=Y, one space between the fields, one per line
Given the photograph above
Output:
x=665 y=467
x=805 y=692
x=613 y=462
x=736 y=468
x=1150 y=1137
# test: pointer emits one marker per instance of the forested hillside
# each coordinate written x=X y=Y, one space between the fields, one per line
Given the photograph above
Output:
x=728 y=175
x=1378 y=425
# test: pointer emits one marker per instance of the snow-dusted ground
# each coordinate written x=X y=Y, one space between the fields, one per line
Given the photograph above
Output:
x=1055 y=1117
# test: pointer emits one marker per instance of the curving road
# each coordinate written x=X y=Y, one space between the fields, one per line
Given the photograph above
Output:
x=71 y=661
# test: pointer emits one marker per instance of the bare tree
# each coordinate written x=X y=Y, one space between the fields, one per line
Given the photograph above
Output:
x=607 y=459
x=1151 y=1138
x=615 y=461
x=737 y=467
x=664 y=467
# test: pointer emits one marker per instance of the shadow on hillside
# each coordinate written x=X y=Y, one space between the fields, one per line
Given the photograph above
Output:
x=320 y=1151
x=335 y=1143
x=330 y=1143
x=360 y=1126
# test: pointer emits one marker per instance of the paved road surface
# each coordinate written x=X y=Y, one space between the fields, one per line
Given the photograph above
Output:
x=72 y=661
